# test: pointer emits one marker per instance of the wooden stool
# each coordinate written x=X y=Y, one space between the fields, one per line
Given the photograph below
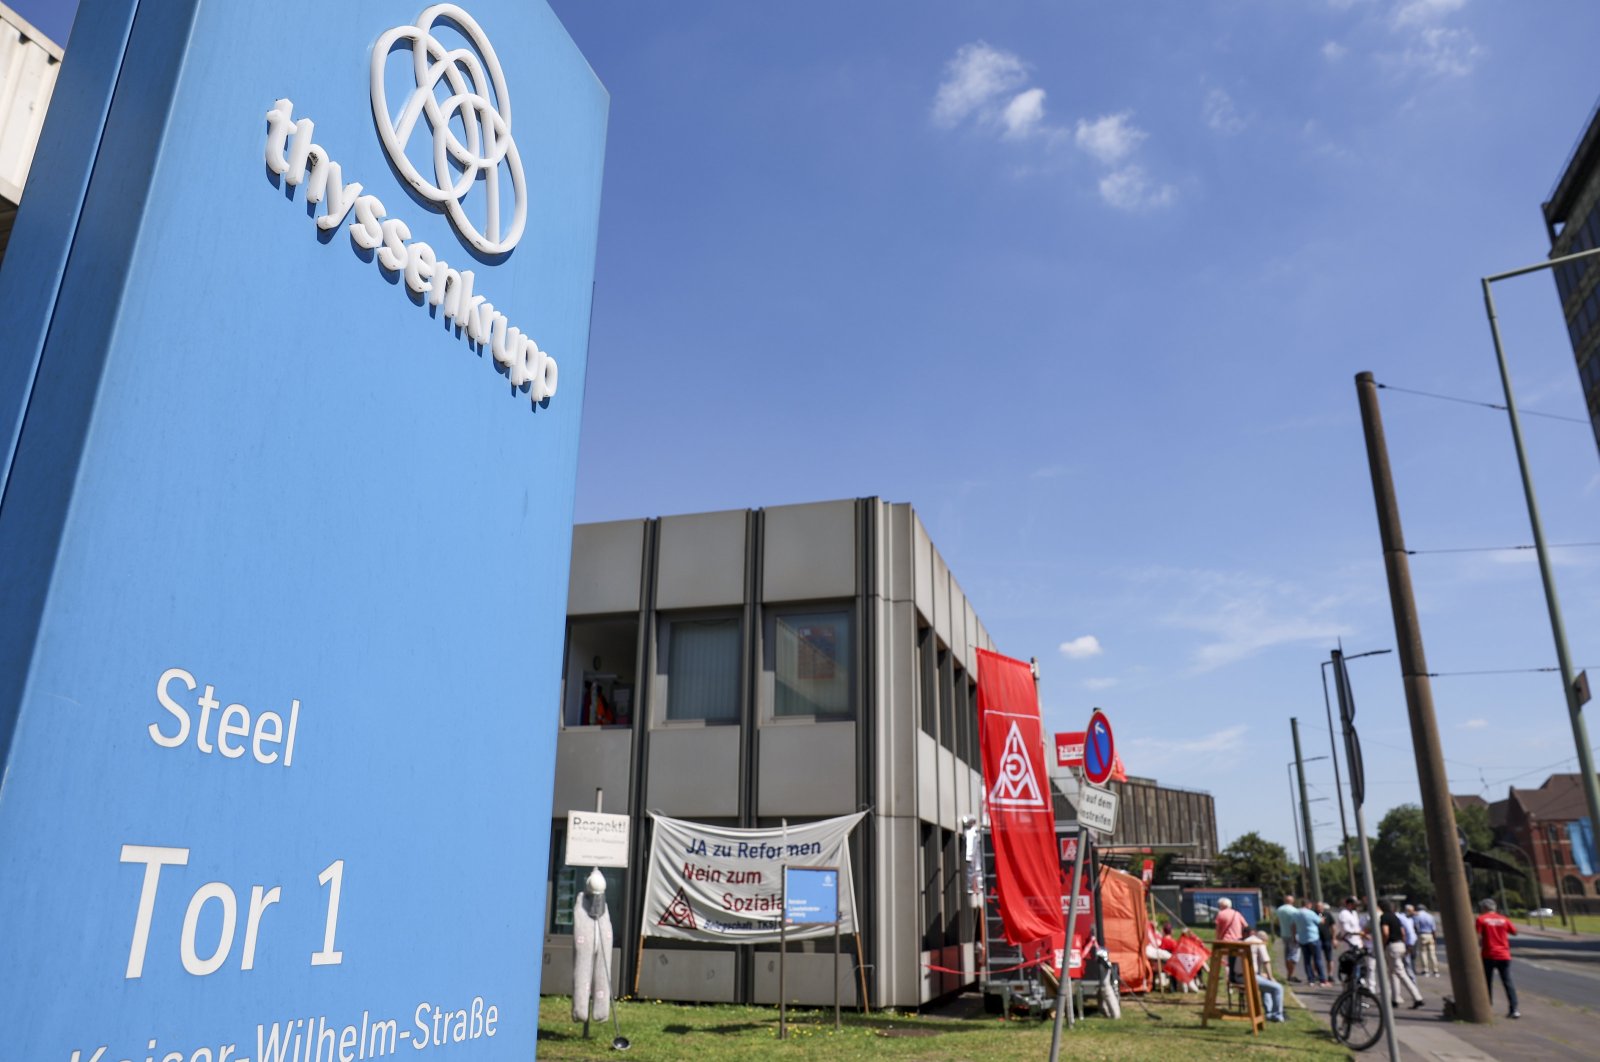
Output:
x=1254 y=1012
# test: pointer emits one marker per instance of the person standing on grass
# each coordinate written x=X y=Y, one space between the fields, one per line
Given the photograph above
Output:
x=1308 y=936
x=1394 y=949
x=1285 y=919
x=1426 y=928
x=1494 y=946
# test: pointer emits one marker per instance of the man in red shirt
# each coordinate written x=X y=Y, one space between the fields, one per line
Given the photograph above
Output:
x=1494 y=944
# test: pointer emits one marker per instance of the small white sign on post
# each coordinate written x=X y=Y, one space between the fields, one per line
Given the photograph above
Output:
x=1097 y=809
x=596 y=840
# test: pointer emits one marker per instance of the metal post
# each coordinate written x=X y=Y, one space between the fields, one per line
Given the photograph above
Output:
x=1380 y=969
x=783 y=948
x=837 y=1023
x=1449 y=873
x=1380 y=956
x=1338 y=786
x=1305 y=815
x=1558 y=629
x=594 y=961
x=1064 y=987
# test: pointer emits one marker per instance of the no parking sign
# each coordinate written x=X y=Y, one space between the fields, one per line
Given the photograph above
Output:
x=1099 y=749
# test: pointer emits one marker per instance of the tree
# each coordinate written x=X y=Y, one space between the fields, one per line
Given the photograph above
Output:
x=1251 y=860
x=1400 y=855
x=1473 y=821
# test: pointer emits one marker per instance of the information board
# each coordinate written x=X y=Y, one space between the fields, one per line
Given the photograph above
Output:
x=597 y=840
x=1097 y=809
x=810 y=896
x=297 y=314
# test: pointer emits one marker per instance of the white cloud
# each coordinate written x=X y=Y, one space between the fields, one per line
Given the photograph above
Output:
x=1081 y=648
x=1333 y=51
x=1442 y=51
x=974 y=80
x=1109 y=138
x=1147 y=755
x=1130 y=188
x=1475 y=724
x=1221 y=115
x=1024 y=115
x=1416 y=12
x=1239 y=616
x=1099 y=683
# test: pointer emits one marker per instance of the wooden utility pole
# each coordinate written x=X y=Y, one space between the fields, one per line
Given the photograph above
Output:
x=1438 y=813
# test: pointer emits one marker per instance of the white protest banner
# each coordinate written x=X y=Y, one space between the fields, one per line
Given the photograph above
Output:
x=719 y=883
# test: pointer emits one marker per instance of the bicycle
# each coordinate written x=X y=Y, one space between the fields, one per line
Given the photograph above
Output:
x=1357 y=1014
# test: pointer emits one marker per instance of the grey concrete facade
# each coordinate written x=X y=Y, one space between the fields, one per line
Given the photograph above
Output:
x=899 y=739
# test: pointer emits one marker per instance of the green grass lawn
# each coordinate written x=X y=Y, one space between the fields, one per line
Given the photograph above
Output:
x=1162 y=1027
x=1585 y=923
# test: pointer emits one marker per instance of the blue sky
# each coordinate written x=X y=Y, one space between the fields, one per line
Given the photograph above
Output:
x=1087 y=284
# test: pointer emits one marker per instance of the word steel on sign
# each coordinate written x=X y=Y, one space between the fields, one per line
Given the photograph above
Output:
x=596 y=840
x=1099 y=749
x=1097 y=809
x=1069 y=749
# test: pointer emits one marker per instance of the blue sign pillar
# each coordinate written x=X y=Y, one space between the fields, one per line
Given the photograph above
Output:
x=296 y=316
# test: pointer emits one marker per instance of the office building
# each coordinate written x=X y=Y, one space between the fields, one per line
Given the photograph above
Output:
x=1572 y=220
x=796 y=662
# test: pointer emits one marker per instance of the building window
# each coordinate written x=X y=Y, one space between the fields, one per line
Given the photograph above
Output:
x=932 y=893
x=811 y=654
x=1571 y=886
x=947 y=701
x=927 y=682
x=598 y=687
x=702 y=655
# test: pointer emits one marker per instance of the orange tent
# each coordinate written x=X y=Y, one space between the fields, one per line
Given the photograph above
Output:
x=1122 y=907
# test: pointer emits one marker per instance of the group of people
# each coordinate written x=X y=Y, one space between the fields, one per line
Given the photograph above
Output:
x=1408 y=935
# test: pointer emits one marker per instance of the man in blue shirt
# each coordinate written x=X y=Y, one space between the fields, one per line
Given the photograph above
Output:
x=1284 y=919
x=1427 y=930
x=1308 y=934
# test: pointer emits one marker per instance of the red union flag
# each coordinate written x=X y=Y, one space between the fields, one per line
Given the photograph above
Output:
x=1021 y=818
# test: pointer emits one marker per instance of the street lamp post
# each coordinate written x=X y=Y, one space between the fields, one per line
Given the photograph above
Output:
x=1532 y=875
x=1338 y=786
x=1569 y=683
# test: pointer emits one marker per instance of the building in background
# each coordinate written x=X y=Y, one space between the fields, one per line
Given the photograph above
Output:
x=1572 y=221
x=1543 y=825
x=747 y=666
x=29 y=63
x=1152 y=820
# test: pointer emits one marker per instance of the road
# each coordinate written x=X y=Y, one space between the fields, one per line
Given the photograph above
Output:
x=1557 y=966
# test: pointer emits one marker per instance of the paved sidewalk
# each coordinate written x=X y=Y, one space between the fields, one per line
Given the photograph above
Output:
x=1549 y=1030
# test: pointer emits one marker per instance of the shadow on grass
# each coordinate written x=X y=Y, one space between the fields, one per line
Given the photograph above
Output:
x=717 y=1030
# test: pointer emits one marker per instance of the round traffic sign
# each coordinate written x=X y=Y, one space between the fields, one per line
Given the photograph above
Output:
x=1099 y=749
